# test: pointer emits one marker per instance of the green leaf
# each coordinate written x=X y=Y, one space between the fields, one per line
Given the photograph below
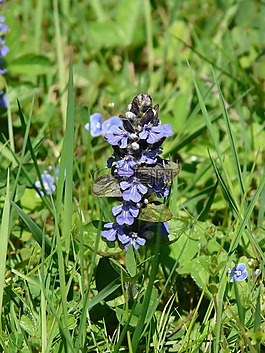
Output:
x=177 y=227
x=130 y=261
x=27 y=325
x=155 y=212
x=31 y=64
x=106 y=186
x=36 y=231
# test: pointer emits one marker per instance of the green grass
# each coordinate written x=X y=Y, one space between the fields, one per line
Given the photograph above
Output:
x=62 y=288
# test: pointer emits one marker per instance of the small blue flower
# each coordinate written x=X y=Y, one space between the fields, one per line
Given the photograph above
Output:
x=107 y=124
x=3 y=48
x=238 y=273
x=3 y=100
x=151 y=133
x=167 y=130
x=125 y=166
x=48 y=183
x=117 y=137
x=134 y=190
x=95 y=125
x=3 y=26
x=125 y=213
x=132 y=239
x=113 y=231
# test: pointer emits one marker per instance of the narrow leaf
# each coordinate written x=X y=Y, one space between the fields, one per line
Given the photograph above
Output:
x=130 y=261
x=36 y=231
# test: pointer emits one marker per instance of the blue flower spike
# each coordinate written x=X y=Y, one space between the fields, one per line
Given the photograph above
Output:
x=139 y=172
x=238 y=273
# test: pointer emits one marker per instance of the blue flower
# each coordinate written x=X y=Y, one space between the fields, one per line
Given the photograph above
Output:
x=167 y=130
x=134 y=190
x=149 y=156
x=48 y=183
x=151 y=133
x=113 y=230
x=96 y=126
x=107 y=124
x=125 y=166
x=3 y=48
x=117 y=137
x=132 y=239
x=125 y=213
x=3 y=26
x=3 y=100
x=238 y=273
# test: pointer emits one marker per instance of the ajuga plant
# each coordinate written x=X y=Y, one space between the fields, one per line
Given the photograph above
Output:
x=138 y=175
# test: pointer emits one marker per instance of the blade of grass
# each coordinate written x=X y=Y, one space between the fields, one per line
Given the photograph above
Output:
x=245 y=220
x=67 y=162
x=4 y=232
x=231 y=137
x=60 y=61
x=238 y=304
x=149 y=36
x=36 y=231
x=38 y=25
x=139 y=328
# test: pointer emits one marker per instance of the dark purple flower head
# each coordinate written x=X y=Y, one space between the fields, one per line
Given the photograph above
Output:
x=117 y=136
x=125 y=166
x=113 y=230
x=238 y=273
x=125 y=213
x=132 y=239
x=134 y=190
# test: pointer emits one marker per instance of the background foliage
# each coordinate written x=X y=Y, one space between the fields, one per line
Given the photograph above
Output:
x=62 y=288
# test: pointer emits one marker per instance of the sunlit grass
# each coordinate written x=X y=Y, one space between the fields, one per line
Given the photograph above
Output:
x=62 y=287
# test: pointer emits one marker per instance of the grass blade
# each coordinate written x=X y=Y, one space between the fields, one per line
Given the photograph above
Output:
x=4 y=232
